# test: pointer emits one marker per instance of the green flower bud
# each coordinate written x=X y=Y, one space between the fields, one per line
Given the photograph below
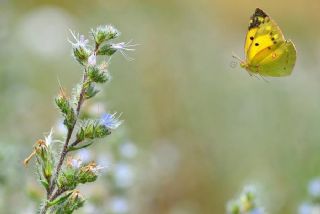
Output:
x=42 y=150
x=66 y=109
x=246 y=203
x=81 y=54
x=74 y=201
x=68 y=178
x=90 y=91
x=45 y=159
x=233 y=208
x=105 y=33
x=88 y=173
x=80 y=50
x=106 y=50
x=98 y=74
x=91 y=129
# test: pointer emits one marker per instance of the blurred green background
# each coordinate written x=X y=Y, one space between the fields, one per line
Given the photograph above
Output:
x=203 y=128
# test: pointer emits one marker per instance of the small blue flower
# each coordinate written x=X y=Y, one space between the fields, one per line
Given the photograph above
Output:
x=85 y=155
x=119 y=205
x=128 y=150
x=314 y=188
x=305 y=208
x=110 y=121
x=257 y=211
x=124 y=175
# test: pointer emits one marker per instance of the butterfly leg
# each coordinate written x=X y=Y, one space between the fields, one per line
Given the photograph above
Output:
x=267 y=81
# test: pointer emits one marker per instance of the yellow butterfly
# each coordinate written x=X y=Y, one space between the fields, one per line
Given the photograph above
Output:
x=266 y=50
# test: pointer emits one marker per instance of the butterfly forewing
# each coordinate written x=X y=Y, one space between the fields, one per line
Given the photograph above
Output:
x=263 y=33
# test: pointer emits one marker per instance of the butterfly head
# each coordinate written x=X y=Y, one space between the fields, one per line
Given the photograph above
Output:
x=242 y=63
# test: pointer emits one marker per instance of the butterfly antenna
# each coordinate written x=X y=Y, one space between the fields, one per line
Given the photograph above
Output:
x=235 y=56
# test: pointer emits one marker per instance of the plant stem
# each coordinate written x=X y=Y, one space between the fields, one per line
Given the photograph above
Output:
x=51 y=195
x=64 y=152
x=56 y=194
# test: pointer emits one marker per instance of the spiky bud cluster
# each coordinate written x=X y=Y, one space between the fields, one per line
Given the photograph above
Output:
x=246 y=203
x=69 y=202
x=66 y=109
x=75 y=173
x=58 y=178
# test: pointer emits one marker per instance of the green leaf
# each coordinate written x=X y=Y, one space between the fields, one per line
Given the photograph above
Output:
x=74 y=148
x=59 y=200
x=44 y=183
x=90 y=92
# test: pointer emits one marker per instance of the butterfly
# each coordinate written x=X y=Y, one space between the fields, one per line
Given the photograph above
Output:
x=266 y=50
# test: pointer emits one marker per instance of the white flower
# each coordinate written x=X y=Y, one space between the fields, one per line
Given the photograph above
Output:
x=48 y=139
x=76 y=163
x=124 y=175
x=128 y=150
x=119 y=205
x=60 y=128
x=92 y=60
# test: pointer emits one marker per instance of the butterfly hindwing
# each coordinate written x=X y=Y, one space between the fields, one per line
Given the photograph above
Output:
x=280 y=62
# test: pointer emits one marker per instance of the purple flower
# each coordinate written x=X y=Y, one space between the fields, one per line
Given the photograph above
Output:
x=80 y=40
x=110 y=121
x=124 y=46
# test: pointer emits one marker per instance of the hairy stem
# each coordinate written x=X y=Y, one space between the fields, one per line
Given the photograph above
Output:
x=64 y=152
x=56 y=194
x=51 y=195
